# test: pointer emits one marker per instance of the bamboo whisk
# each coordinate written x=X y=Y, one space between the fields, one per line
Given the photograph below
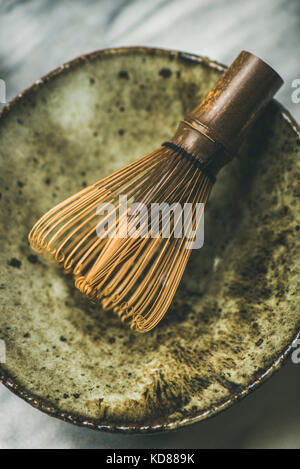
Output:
x=138 y=277
x=131 y=271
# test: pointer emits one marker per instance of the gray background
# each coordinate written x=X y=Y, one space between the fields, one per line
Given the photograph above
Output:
x=37 y=36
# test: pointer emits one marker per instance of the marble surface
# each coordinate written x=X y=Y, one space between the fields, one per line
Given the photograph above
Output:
x=36 y=37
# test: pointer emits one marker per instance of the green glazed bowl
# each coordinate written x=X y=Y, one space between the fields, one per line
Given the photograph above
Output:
x=236 y=314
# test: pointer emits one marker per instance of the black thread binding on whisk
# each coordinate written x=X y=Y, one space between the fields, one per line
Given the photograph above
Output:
x=192 y=159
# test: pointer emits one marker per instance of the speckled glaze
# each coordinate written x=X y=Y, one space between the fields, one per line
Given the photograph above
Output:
x=236 y=313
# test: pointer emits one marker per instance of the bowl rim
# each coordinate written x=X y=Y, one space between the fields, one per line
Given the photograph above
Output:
x=40 y=403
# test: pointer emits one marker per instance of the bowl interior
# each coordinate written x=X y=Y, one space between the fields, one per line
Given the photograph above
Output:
x=236 y=312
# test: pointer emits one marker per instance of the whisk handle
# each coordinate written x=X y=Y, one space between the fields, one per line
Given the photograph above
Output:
x=219 y=123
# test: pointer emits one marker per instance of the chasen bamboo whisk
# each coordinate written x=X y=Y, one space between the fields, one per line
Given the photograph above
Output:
x=130 y=271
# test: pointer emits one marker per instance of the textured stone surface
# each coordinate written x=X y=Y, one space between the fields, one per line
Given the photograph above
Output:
x=236 y=312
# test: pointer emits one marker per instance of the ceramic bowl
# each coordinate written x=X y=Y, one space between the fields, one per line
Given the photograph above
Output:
x=236 y=314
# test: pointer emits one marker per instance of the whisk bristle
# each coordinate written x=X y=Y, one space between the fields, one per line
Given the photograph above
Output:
x=67 y=233
x=135 y=276
x=138 y=277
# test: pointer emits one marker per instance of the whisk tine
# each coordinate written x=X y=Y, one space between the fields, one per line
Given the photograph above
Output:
x=67 y=233
x=126 y=273
x=137 y=278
